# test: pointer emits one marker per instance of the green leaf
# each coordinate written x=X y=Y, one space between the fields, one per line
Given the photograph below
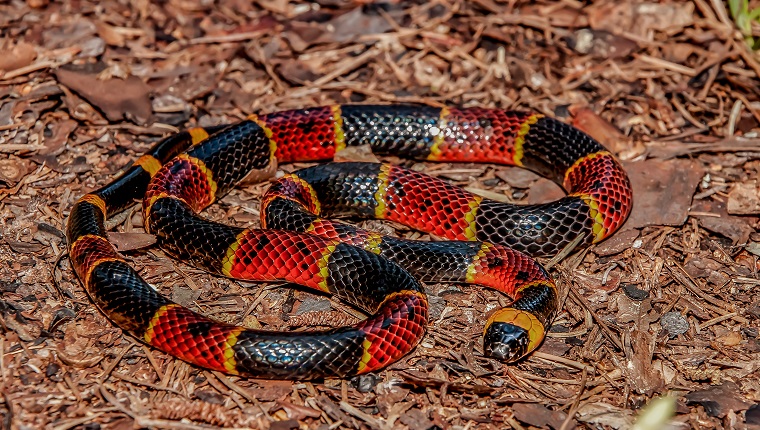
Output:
x=754 y=15
x=733 y=5
x=656 y=414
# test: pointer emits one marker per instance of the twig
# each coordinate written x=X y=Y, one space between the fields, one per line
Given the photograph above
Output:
x=9 y=405
x=107 y=396
x=107 y=371
x=715 y=320
x=13 y=147
x=367 y=418
x=144 y=383
x=77 y=421
x=154 y=363
x=246 y=395
x=733 y=117
x=747 y=57
x=347 y=66
x=226 y=38
x=145 y=422
x=12 y=126
x=673 y=67
x=2 y=363
x=21 y=71
x=561 y=360
x=603 y=325
x=574 y=407
x=680 y=274
x=56 y=283
x=565 y=252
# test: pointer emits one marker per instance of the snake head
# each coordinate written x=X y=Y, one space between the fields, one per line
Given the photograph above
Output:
x=506 y=342
x=512 y=333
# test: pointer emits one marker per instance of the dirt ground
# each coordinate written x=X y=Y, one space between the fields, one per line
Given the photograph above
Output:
x=667 y=306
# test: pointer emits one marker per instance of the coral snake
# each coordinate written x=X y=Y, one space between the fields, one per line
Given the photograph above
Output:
x=488 y=242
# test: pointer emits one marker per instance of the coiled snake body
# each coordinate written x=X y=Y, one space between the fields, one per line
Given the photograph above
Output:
x=487 y=240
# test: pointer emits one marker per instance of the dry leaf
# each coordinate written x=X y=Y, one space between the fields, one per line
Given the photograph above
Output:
x=13 y=57
x=744 y=198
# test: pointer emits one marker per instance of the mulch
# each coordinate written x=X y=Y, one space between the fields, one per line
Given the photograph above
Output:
x=666 y=307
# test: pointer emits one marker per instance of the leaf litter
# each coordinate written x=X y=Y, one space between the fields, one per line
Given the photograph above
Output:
x=667 y=306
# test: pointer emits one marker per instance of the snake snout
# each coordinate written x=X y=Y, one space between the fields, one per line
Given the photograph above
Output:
x=505 y=342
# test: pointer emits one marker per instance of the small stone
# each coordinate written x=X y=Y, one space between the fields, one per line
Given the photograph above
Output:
x=436 y=305
x=365 y=383
x=209 y=397
x=754 y=310
x=674 y=323
x=52 y=369
x=184 y=295
x=311 y=304
x=753 y=415
x=37 y=4
x=753 y=248
x=583 y=41
x=635 y=293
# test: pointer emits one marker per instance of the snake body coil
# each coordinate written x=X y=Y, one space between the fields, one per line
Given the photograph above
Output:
x=488 y=240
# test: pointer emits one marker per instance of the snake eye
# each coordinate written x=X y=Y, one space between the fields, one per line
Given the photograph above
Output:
x=506 y=342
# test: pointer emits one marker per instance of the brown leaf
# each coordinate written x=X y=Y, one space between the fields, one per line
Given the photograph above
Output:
x=731 y=338
x=640 y=374
x=301 y=35
x=351 y=25
x=640 y=18
x=109 y=34
x=597 y=127
x=702 y=266
x=297 y=71
x=517 y=177
x=37 y=4
x=320 y=318
x=118 y=99
x=617 y=243
x=25 y=247
x=13 y=57
x=540 y=416
x=55 y=144
x=744 y=198
x=669 y=17
x=662 y=191
x=631 y=310
x=555 y=346
x=26 y=331
x=416 y=419
x=130 y=241
x=718 y=401
x=601 y=44
x=214 y=414
x=735 y=228
x=298 y=412
x=284 y=425
x=357 y=153
x=267 y=391
x=605 y=414
x=544 y=191
x=184 y=295
x=13 y=169
x=670 y=149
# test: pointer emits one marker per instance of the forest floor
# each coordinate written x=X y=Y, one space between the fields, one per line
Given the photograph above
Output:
x=667 y=306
